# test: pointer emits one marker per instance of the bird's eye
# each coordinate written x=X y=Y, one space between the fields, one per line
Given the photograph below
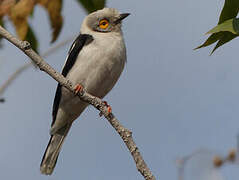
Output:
x=103 y=24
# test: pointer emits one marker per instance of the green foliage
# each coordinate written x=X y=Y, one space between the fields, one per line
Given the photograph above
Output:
x=92 y=5
x=236 y=25
x=30 y=37
x=229 y=11
x=227 y=28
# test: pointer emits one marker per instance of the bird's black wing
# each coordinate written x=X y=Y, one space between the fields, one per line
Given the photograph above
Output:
x=81 y=40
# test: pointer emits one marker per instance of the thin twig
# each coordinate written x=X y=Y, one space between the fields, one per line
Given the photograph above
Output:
x=124 y=133
x=181 y=162
x=25 y=66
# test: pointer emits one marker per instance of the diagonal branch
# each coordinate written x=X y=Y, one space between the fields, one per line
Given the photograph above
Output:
x=25 y=66
x=124 y=133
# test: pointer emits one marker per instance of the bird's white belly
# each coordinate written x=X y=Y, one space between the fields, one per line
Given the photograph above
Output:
x=97 y=71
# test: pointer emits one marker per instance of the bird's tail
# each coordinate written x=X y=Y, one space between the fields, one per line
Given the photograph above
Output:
x=52 y=151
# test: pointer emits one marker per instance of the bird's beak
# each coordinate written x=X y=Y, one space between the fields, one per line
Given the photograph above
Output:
x=122 y=16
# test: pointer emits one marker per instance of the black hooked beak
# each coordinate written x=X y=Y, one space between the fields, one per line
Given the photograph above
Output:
x=122 y=16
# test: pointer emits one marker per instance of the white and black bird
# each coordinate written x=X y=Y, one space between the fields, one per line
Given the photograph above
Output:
x=95 y=61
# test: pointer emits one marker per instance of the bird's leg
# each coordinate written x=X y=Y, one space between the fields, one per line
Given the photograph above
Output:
x=109 y=109
x=78 y=88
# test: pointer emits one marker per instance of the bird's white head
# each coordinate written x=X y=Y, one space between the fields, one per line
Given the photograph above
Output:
x=103 y=21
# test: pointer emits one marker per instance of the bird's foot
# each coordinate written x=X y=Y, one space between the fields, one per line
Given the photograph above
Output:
x=78 y=88
x=109 y=109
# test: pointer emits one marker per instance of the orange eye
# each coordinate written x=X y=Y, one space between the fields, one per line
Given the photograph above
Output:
x=104 y=24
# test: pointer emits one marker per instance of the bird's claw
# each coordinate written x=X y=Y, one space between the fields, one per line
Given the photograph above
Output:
x=109 y=109
x=78 y=88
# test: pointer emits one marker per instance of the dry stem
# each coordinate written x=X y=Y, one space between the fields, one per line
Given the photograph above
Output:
x=124 y=133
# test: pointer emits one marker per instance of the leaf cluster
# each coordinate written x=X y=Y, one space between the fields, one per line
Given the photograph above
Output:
x=227 y=28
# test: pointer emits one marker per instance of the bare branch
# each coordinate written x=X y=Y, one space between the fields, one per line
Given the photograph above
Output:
x=25 y=66
x=181 y=163
x=124 y=133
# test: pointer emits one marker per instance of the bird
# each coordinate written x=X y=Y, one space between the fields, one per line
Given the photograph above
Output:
x=95 y=62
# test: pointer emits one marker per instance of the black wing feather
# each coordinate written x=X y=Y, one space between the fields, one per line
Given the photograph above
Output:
x=75 y=49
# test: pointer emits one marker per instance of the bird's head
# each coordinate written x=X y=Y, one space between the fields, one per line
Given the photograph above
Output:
x=104 y=21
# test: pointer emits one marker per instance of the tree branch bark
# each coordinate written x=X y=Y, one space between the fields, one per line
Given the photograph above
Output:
x=25 y=66
x=124 y=133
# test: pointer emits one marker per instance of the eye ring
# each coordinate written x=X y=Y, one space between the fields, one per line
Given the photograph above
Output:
x=103 y=24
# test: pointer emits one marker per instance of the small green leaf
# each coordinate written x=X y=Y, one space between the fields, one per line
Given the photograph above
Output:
x=92 y=5
x=228 y=26
x=229 y=11
x=225 y=26
x=30 y=37
x=212 y=39
x=227 y=36
x=236 y=24
x=221 y=37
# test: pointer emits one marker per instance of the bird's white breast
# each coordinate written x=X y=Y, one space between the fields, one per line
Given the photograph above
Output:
x=98 y=66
